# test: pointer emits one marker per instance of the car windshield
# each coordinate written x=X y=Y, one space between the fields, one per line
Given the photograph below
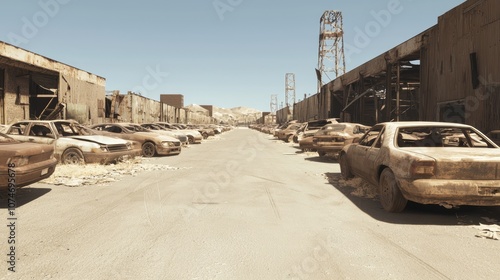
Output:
x=70 y=129
x=433 y=136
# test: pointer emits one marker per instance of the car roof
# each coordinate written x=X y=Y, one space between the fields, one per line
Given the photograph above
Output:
x=423 y=123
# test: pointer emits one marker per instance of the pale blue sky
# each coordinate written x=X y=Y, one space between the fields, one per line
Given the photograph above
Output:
x=226 y=53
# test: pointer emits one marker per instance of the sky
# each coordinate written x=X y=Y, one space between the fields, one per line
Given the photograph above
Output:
x=226 y=53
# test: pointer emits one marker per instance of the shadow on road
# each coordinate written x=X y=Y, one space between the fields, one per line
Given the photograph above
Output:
x=23 y=196
x=364 y=196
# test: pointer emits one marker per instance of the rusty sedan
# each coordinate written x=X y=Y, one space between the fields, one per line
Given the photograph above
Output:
x=151 y=143
x=72 y=143
x=24 y=163
x=331 y=138
x=426 y=162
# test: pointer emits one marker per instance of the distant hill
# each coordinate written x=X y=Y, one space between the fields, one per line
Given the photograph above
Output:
x=232 y=115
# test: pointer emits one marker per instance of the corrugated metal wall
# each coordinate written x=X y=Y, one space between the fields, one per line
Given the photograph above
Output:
x=447 y=78
x=307 y=109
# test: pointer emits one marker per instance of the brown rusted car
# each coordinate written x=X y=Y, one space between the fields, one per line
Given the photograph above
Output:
x=426 y=162
x=24 y=163
x=152 y=143
x=331 y=138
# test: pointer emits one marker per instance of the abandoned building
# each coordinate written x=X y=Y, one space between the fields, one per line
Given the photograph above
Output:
x=36 y=87
x=449 y=72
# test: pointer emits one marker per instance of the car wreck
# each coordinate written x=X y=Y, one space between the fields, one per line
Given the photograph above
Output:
x=331 y=138
x=28 y=162
x=73 y=144
x=151 y=143
x=426 y=162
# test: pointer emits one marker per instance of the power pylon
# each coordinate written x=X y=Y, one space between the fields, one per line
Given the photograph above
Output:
x=274 y=104
x=331 y=57
x=289 y=89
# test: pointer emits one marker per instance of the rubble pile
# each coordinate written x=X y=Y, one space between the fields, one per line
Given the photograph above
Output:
x=73 y=175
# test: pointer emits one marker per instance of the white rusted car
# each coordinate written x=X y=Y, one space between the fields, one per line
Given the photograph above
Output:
x=72 y=143
x=426 y=162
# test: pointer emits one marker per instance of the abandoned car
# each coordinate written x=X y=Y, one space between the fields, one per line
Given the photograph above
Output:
x=308 y=129
x=72 y=143
x=169 y=132
x=151 y=143
x=24 y=163
x=426 y=162
x=194 y=136
x=331 y=138
x=287 y=133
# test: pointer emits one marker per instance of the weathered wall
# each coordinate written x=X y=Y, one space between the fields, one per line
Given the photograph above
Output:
x=77 y=94
x=15 y=105
x=446 y=66
x=307 y=109
x=283 y=115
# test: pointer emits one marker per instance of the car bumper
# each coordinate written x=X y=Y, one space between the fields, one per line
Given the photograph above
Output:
x=329 y=147
x=165 y=151
x=29 y=174
x=454 y=192
x=109 y=157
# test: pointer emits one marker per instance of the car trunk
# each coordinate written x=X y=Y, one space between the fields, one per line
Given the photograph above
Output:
x=464 y=163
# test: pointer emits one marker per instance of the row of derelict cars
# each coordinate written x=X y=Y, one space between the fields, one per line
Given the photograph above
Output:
x=31 y=149
x=442 y=163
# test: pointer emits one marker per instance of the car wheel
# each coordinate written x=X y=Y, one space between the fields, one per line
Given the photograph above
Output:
x=191 y=139
x=148 y=149
x=72 y=156
x=321 y=154
x=205 y=135
x=289 y=138
x=345 y=171
x=391 y=198
x=295 y=139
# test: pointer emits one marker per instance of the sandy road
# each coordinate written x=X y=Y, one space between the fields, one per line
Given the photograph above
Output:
x=243 y=206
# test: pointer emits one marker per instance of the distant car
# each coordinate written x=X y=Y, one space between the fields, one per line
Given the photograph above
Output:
x=287 y=133
x=426 y=162
x=169 y=132
x=151 y=143
x=24 y=163
x=308 y=129
x=194 y=136
x=73 y=144
x=331 y=138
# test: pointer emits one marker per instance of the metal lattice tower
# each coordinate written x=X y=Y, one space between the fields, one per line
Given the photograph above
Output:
x=289 y=89
x=331 y=46
x=274 y=104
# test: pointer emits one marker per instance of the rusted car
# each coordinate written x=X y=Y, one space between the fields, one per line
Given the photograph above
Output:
x=194 y=136
x=331 y=138
x=287 y=133
x=151 y=143
x=73 y=144
x=24 y=163
x=169 y=132
x=308 y=129
x=426 y=162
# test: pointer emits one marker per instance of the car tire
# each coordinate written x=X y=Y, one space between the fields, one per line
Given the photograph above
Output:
x=190 y=139
x=289 y=138
x=72 y=156
x=321 y=153
x=391 y=198
x=148 y=149
x=205 y=135
x=345 y=171
x=295 y=139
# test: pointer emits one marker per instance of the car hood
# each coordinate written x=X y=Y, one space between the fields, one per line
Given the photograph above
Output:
x=8 y=150
x=99 y=139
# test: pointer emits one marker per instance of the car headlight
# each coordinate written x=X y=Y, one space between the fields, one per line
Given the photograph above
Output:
x=129 y=146
x=104 y=148
x=18 y=161
x=167 y=144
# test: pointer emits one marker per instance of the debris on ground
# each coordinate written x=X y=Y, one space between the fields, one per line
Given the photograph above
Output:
x=488 y=231
x=75 y=175
x=361 y=187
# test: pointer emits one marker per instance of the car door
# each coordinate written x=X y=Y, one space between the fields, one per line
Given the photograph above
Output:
x=362 y=154
x=373 y=158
